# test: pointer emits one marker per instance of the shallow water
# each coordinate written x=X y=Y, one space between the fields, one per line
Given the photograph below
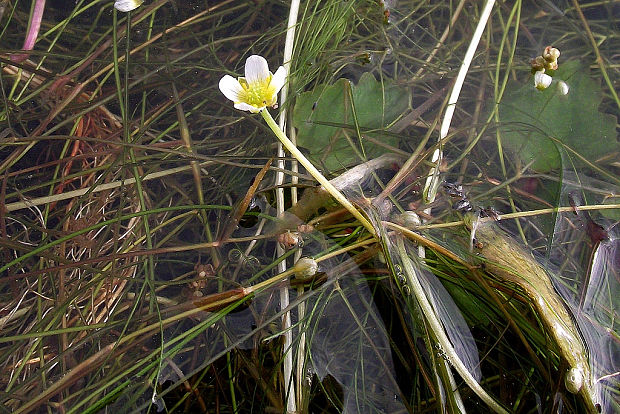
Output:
x=142 y=252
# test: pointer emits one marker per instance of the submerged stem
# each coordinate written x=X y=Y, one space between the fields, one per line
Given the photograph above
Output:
x=33 y=31
x=432 y=181
x=438 y=331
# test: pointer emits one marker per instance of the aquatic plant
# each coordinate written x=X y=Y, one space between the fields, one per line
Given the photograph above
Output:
x=428 y=232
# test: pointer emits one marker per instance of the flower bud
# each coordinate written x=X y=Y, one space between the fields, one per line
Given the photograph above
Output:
x=409 y=219
x=538 y=63
x=542 y=80
x=551 y=54
x=306 y=267
x=127 y=5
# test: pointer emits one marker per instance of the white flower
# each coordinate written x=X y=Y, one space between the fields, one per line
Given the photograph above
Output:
x=127 y=5
x=563 y=87
x=258 y=89
x=542 y=80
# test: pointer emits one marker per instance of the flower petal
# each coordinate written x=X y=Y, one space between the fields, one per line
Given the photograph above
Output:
x=563 y=87
x=278 y=79
x=127 y=5
x=256 y=69
x=242 y=106
x=231 y=88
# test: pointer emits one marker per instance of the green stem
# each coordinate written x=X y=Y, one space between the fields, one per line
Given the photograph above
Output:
x=288 y=144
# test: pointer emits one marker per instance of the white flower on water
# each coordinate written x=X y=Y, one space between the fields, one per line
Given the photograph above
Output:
x=258 y=89
x=127 y=5
x=542 y=80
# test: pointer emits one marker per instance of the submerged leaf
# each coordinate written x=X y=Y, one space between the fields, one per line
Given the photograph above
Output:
x=453 y=322
x=321 y=115
x=531 y=119
x=590 y=279
x=508 y=261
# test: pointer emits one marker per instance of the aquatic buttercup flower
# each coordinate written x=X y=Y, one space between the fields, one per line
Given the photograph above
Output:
x=542 y=80
x=127 y=5
x=258 y=89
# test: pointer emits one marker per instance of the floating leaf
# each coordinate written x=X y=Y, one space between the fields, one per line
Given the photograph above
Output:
x=323 y=115
x=532 y=119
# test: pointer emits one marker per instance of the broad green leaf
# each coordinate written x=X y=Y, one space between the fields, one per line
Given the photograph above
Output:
x=530 y=119
x=324 y=115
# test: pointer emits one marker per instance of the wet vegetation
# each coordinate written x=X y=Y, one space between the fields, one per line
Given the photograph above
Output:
x=159 y=252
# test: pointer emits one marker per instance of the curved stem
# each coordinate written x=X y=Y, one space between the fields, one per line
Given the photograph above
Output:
x=315 y=173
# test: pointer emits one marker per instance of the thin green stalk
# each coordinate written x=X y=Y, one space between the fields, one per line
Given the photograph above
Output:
x=66 y=195
x=315 y=173
x=123 y=100
x=195 y=165
x=516 y=10
x=150 y=265
x=231 y=383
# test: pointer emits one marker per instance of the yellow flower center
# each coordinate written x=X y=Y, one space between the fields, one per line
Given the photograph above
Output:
x=258 y=94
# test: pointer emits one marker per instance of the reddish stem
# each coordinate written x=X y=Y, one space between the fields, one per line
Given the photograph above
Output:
x=33 y=31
